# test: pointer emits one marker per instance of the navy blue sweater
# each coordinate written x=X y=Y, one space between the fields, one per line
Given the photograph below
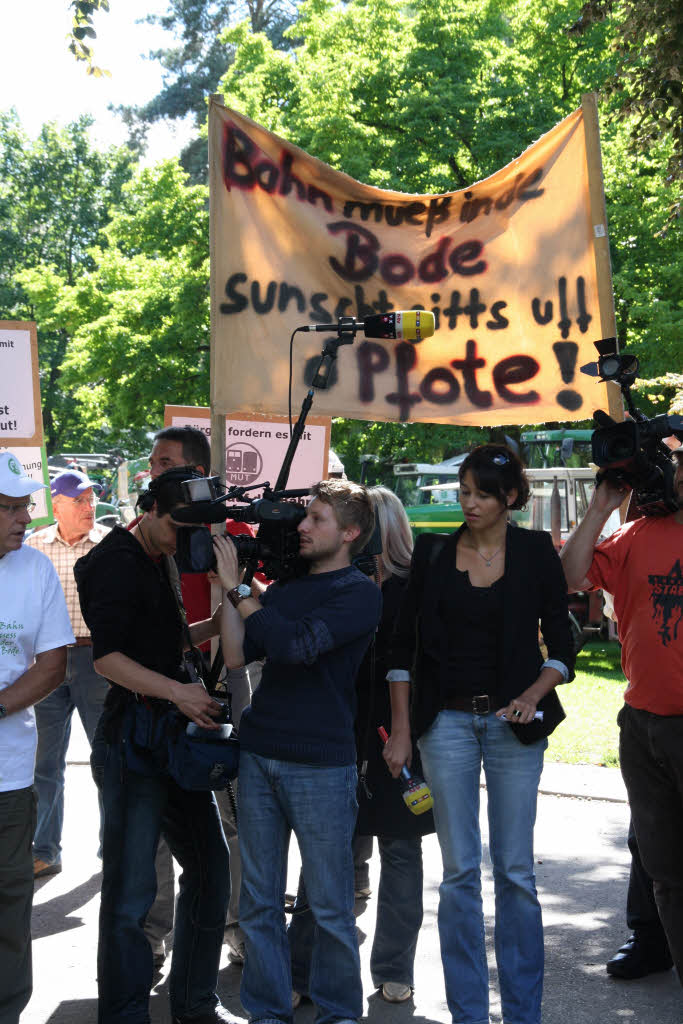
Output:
x=313 y=633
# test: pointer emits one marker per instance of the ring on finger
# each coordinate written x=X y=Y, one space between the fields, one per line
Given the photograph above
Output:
x=516 y=713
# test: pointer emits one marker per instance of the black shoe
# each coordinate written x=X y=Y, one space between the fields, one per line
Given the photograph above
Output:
x=636 y=960
x=217 y=1015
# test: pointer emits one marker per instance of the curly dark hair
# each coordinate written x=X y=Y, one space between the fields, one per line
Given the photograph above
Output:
x=497 y=471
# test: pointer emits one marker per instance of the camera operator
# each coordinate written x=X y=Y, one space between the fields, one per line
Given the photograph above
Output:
x=127 y=598
x=298 y=754
x=640 y=565
x=189 y=447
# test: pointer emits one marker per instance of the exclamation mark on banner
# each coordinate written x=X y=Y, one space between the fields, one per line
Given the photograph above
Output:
x=566 y=353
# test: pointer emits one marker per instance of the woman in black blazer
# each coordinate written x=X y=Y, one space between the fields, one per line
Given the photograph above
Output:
x=468 y=631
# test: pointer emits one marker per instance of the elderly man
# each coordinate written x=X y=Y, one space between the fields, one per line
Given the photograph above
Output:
x=73 y=535
x=34 y=629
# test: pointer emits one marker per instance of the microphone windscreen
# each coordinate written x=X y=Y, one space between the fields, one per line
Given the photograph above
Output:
x=200 y=512
x=404 y=325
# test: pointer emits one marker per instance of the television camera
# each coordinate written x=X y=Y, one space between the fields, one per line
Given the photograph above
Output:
x=633 y=451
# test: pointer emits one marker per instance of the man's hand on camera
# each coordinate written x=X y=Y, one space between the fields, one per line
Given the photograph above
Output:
x=196 y=704
x=227 y=566
x=609 y=494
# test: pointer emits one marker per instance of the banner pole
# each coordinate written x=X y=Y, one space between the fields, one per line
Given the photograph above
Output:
x=217 y=420
x=603 y=264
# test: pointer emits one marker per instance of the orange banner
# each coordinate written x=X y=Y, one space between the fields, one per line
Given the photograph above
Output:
x=506 y=266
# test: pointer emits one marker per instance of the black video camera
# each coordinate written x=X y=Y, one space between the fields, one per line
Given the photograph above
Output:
x=275 y=549
x=633 y=451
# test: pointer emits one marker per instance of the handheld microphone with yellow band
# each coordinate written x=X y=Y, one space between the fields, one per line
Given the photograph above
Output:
x=403 y=325
x=416 y=793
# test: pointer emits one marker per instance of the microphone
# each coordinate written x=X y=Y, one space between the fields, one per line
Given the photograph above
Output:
x=200 y=512
x=404 y=325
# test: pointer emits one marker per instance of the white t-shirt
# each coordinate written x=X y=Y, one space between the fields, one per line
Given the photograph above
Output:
x=33 y=619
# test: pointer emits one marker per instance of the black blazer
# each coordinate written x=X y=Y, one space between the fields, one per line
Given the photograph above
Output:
x=534 y=589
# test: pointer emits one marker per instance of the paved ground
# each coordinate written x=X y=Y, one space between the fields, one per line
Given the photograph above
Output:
x=582 y=871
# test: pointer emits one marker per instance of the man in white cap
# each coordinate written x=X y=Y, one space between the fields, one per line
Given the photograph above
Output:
x=34 y=632
x=72 y=535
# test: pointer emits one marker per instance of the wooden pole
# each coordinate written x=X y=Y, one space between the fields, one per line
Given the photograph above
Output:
x=217 y=420
x=603 y=264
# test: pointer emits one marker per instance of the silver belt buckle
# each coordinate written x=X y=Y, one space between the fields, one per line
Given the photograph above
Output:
x=481 y=704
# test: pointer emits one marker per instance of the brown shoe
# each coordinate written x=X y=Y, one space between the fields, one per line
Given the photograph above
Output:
x=41 y=868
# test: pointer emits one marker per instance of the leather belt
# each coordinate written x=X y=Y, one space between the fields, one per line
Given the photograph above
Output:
x=82 y=641
x=482 y=704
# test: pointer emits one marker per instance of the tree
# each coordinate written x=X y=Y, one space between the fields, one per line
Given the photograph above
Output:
x=139 y=321
x=648 y=42
x=194 y=65
x=56 y=194
x=462 y=88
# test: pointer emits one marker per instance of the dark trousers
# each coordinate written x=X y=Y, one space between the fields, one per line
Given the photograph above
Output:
x=17 y=825
x=137 y=810
x=651 y=753
x=642 y=916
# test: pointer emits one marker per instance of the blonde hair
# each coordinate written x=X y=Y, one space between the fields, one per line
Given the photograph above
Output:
x=397 y=540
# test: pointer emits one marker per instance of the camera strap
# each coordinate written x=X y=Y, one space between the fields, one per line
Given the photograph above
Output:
x=192 y=659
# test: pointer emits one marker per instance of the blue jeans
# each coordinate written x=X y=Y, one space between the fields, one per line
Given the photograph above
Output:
x=319 y=805
x=137 y=809
x=453 y=750
x=399 y=917
x=84 y=689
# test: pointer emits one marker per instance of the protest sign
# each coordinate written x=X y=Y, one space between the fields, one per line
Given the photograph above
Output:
x=507 y=266
x=255 y=446
x=20 y=413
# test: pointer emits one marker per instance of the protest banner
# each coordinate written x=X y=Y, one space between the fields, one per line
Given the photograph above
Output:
x=256 y=445
x=514 y=268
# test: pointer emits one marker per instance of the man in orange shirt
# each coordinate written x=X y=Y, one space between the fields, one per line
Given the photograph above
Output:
x=641 y=564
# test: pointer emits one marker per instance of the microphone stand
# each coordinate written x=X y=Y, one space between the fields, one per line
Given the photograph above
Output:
x=346 y=335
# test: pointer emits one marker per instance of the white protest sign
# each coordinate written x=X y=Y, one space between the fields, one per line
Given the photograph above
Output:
x=20 y=413
x=255 y=446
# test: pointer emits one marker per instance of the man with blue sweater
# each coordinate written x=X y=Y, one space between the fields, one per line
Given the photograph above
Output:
x=298 y=755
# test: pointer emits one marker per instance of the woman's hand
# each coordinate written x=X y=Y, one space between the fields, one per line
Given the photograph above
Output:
x=519 y=711
x=227 y=566
x=398 y=750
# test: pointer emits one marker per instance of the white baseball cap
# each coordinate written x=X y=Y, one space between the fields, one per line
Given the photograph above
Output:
x=13 y=481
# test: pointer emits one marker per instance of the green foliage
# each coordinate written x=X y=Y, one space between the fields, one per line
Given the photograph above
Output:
x=462 y=87
x=140 y=319
x=648 y=43
x=590 y=734
x=82 y=29
x=55 y=197
x=396 y=442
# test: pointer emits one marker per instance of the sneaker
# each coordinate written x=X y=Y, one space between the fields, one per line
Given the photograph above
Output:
x=236 y=953
x=395 y=991
x=296 y=999
x=158 y=953
x=42 y=868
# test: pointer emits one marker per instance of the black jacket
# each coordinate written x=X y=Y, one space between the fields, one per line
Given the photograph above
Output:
x=534 y=588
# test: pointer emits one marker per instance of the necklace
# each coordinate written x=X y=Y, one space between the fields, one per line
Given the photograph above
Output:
x=491 y=557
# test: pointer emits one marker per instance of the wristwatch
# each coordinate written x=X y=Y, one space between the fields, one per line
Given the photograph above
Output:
x=3 y=711
x=238 y=593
